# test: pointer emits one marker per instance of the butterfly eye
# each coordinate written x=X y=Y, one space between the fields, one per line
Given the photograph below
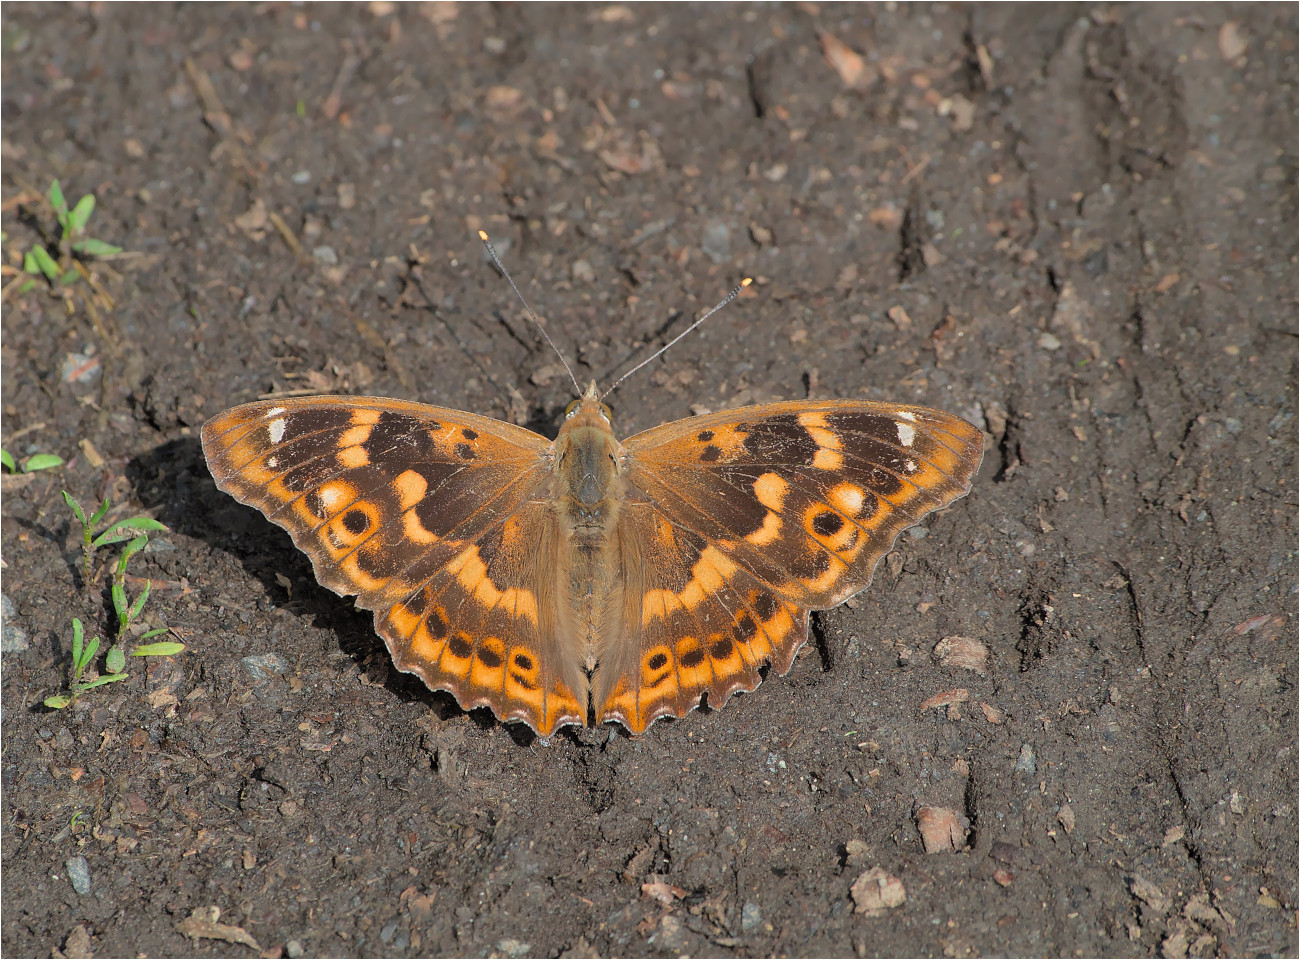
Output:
x=571 y=409
x=607 y=412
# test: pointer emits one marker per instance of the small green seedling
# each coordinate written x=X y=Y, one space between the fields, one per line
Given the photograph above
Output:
x=72 y=240
x=37 y=461
x=83 y=655
x=121 y=530
x=127 y=613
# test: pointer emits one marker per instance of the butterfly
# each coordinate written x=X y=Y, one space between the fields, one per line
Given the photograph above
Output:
x=582 y=579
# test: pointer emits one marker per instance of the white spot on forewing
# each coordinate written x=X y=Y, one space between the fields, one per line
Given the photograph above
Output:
x=274 y=412
x=276 y=429
x=272 y=462
x=906 y=434
x=909 y=466
x=906 y=415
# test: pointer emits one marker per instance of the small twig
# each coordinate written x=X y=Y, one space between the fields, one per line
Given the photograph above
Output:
x=287 y=234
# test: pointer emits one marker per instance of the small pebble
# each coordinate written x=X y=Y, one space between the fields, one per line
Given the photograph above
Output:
x=263 y=666
x=78 y=873
x=716 y=243
x=1026 y=762
x=1049 y=342
x=13 y=639
x=294 y=950
x=510 y=947
x=750 y=917
x=325 y=254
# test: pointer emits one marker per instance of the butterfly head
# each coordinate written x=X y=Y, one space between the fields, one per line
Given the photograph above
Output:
x=589 y=405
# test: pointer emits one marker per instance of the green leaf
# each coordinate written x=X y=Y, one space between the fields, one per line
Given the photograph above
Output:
x=115 y=661
x=80 y=214
x=78 y=641
x=139 y=601
x=57 y=703
x=153 y=633
x=27 y=286
x=39 y=261
x=7 y=460
x=57 y=200
x=88 y=656
x=165 y=648
x=130 y=550
x=99 y=514
x=119 y=603
x=106 y=678
x=95 y=248
x=125 y=529
x=42 y=461
x=70 y=276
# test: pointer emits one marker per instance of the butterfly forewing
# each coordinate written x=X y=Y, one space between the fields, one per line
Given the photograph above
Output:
x=428 y=516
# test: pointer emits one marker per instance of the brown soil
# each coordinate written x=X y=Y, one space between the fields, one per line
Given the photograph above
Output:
x=1086 y=219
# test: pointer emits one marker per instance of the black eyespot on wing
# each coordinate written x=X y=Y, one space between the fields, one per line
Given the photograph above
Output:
x=356 y=522
x=704 y=436
x=489 y=658
x=693 y=658
x=710 y=453
x=721 y=649
x=465 y=452
x=657 y=662
x=523 y=661
x=460 y=646
x=827 y=524
x=469 y=434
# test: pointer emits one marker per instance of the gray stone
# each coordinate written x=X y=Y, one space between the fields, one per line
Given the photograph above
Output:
x=261 y=667
x=1027 y=762
x=13 y=639
x=716 y=243
x=78 y=873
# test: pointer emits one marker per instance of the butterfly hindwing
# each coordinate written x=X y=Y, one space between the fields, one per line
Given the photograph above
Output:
x=695 y=624
x=425 y=514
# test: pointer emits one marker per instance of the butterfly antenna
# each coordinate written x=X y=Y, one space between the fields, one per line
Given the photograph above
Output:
x=531 y=316
x=722 y=303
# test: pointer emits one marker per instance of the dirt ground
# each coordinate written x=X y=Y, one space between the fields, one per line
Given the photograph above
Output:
x=1073 y=225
